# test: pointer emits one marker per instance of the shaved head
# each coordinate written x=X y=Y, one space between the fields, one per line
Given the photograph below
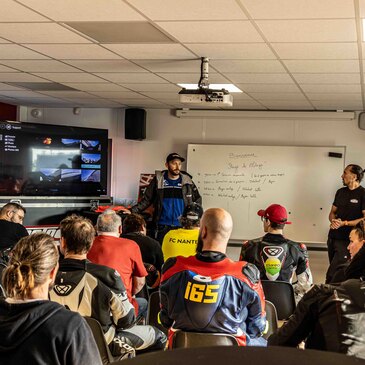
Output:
x=216 y=227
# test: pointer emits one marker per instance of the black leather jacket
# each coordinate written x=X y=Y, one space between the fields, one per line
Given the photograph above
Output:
x=154 y=194
x=331 y=317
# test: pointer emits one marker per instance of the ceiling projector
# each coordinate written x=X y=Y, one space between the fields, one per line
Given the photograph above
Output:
x=203 y=94
x=206 y=96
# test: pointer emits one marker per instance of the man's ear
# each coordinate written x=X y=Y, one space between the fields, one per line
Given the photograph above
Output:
x=62 y=245
x=203 y=232
x=166 y=165
x=53 y=273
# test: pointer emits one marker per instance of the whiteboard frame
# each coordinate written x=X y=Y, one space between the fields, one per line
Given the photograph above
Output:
x=343 y=158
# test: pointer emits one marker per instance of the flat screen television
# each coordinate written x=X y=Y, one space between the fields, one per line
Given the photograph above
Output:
x=52 y=160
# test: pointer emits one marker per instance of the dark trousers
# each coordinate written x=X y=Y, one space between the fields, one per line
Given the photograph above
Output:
x=161 y=232
x=338 y=254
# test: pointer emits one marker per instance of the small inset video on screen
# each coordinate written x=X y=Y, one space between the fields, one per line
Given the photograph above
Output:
x=90 y=145
x=90 y=175
x=90 y=158
x=70 y=142
x=50 y=175
x=70 y=175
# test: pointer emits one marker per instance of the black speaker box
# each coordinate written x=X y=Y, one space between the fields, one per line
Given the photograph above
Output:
x=135 y=124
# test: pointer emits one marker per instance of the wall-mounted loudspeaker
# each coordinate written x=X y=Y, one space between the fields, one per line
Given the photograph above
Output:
x=135 y=124
x=362 y=120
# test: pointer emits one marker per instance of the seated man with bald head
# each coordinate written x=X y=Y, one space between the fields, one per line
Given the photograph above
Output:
x=209 y=292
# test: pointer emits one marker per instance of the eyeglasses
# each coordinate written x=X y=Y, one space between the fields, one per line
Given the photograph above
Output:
x=264 y=219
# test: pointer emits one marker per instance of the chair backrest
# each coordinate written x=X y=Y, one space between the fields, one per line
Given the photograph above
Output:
x=182 y=339
x=153 y=311
x=105 y=354
x=271 y=318
x=281 y=294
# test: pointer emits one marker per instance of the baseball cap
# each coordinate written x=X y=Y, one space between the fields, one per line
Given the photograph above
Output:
x=275 y=213
x=193 y=212
x=174 y=156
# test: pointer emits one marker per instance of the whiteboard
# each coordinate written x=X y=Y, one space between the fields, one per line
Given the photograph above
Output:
x=245 y=179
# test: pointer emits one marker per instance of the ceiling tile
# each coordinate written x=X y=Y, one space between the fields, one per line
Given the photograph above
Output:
x=338 y=30
x=14 y=12
x=246 y=104
x=131 y=77
x=16 y=52
x=255 y=78
x=20 y=94
x=190 y=9
x=171 y=65
x=6 y=69
x=118 y=94
x=69 y=77
x=317 y=51
x=83 y=10
x=150 y=51
x=288 y=105
x=121 y=32
x=338 y=105
x=323 y=66
x=163 y=95
x=212 y=32
x=252 y=66
x=74 y=51
x=191 y=78
x=95 y=86
x=106 y=66
x=39 y=66
x=152 y=87
x=334 y=97
x=39 y=33
x=253 y=51
x=331 y=88
x=299 y=9
x=6 y=87
x=306 y=78
x=19 y=77
x=68 y=94
x=273 y=88
x=278 y=96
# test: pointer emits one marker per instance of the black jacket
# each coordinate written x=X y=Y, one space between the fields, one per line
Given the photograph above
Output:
x=150 y=249
x=331 y=317
x=154 y=194
x=43 y=332
x=11 y=233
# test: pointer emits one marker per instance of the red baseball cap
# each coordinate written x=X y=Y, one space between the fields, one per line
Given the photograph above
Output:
x=275 y=213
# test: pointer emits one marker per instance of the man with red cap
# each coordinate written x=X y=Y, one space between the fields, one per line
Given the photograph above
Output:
x=277 y=257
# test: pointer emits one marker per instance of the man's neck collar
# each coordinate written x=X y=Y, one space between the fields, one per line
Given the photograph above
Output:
x=111 y=234
x=75 y=256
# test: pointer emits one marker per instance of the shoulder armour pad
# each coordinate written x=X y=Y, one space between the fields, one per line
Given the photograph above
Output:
x=168 y=264
x=252 y=273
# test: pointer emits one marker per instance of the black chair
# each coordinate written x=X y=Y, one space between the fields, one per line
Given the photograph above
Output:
x=182 y=339
x=105 y=354
x=271 y=318
x=153 y=311
x=281 y=294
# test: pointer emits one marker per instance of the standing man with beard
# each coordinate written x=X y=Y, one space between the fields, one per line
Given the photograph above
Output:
x=348 y=209
x=170 y=191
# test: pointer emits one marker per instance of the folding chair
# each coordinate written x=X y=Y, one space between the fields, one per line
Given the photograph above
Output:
x=281 y=294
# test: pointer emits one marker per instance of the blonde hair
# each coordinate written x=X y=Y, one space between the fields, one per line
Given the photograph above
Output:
x=32 y=259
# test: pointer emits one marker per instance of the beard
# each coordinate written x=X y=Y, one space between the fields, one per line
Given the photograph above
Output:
x=175 y=172
x=199 y=247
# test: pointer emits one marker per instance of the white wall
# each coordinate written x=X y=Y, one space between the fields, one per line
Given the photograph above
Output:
x=167 y=133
